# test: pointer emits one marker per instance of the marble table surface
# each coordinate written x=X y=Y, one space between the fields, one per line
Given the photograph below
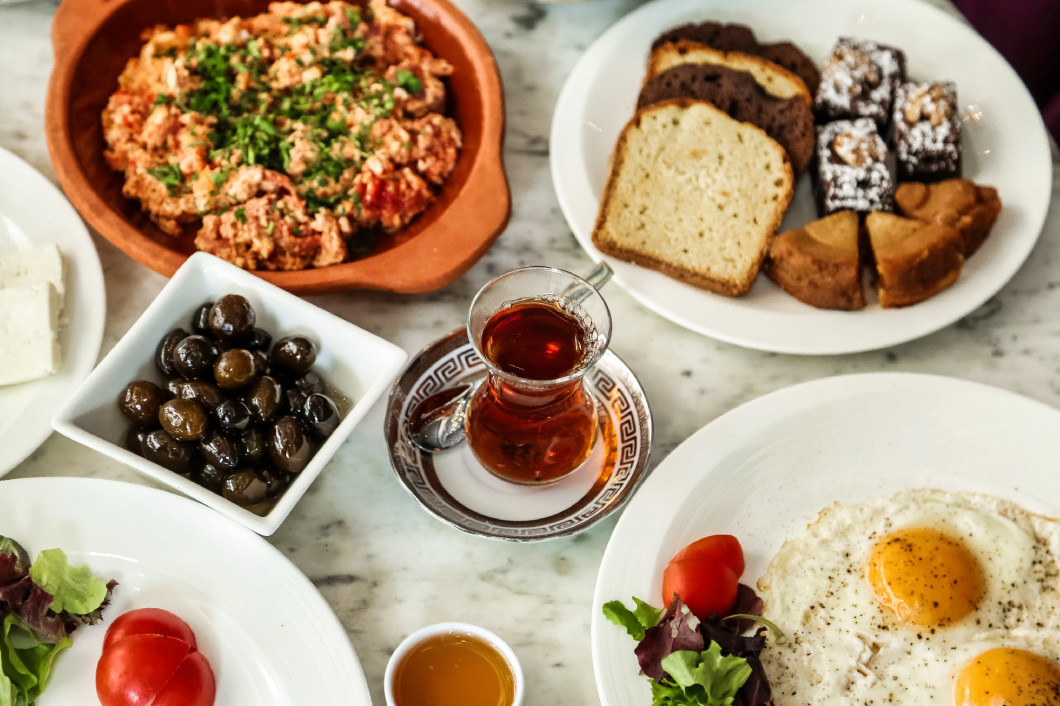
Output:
x=385 y=566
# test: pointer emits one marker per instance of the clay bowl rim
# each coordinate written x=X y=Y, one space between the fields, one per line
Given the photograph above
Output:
x=440 y=251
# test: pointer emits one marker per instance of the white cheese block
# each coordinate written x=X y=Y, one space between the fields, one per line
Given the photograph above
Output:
x=29 y=320
x=38 y=265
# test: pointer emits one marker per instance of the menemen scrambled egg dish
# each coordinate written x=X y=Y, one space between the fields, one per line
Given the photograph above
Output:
x=290 y=139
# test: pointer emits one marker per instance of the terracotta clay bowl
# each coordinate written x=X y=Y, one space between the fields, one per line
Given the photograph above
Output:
x=94 y=39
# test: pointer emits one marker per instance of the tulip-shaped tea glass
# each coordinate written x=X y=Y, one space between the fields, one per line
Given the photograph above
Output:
x=539 y=330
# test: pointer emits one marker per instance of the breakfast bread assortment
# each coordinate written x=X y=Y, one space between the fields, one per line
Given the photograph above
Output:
x=694 y=194
x=968 y=207
x=737 y=37
x=914 y=260
x=789 y=121
x=774 y=79
x=819 y=263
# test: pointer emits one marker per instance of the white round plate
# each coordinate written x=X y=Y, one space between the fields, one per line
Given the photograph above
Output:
x=33 y=212
x=1005 y=145
x=269 y=635
x=763 y=471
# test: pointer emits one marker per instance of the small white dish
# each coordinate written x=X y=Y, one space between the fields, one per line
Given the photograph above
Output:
x=355 y=362
x=33 y=212
x=454 y=628
x=1005 y=145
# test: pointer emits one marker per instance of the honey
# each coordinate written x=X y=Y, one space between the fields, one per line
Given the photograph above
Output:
x=453 y=669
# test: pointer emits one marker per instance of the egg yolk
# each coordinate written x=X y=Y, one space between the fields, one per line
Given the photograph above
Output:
x=1008 y=677
x=924 y=576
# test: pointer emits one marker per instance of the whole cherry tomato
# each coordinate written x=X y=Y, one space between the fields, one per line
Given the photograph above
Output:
x=721 y=548
x=153 y=668
x=148 y=621
x=706 y=587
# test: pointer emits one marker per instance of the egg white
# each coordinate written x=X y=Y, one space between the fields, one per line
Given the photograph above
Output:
x=843 y=647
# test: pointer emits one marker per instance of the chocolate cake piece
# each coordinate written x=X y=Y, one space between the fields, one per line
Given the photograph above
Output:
x=927 y=131
x=852 y=168
x=736 y=37
x=858 y=80
x=789 y=121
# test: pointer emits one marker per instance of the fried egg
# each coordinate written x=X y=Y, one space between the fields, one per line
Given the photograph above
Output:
x=924 y=597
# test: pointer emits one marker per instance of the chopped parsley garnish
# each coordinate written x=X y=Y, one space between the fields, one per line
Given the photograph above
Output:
x=241 y=215
x=408 y=80
x=170 y=175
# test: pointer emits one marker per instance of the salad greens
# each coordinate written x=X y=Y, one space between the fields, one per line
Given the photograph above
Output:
x=41 y=604
x=697 y=663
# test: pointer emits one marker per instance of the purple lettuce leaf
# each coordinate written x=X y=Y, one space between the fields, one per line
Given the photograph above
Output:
x=677 y=629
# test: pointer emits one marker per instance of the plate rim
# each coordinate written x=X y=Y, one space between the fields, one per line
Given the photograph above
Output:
x=197 y=515
x=88 y=302
x=781 y=404
x=573 y=192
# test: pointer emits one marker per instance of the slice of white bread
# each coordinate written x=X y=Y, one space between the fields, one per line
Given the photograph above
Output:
x=774 y=79
x=694 y=194
x=819 y=264
x=914 y=260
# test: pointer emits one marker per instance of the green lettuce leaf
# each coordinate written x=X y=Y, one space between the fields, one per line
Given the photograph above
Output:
x=708 y=678
x=634 y=621
x=25 y=662
x=73 y=588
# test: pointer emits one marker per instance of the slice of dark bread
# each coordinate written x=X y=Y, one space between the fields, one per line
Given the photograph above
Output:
x=789 y=121
x=694 y=194
x=736 y=37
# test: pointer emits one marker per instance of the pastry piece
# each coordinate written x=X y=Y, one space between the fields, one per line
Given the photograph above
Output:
x=694 y=194
x=914 y=260
x=735 y=37
x=852 y=170
x=789 y=121
x=858 y=80
x=818 y=264
x=961 y=203
x=927 y=132
x=774 y=79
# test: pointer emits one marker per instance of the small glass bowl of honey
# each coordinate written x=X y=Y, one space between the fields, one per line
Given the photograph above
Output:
x=453 y=664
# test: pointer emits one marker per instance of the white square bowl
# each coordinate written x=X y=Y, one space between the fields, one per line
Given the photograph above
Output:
x=356 y=363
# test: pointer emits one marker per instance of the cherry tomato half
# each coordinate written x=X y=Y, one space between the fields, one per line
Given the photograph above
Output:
x=153 y=669
x=148 y=621
x=706 y=587
x=721 y=548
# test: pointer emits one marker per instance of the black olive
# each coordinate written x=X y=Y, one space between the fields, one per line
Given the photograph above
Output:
x=139 y=402
x=320 y=414
x=183 y=419
x=244 y=487
x=275 y=481
x=259 y=340
x=210 y=477
x=253 y=446
x=220 y=451
x=161 y=448
x=134 y=440
x=205 y=393
x=288 y=445
x=194 y=356
x=232 y=318
x=261 y=362
x=310 y=383
x=263 y=398
x=232 y=415
x=294 y=401
x=164 y=352
x=200 y=320
x=294 y=354
x=234 y=368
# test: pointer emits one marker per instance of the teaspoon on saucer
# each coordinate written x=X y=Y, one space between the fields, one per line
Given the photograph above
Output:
x=436 y=423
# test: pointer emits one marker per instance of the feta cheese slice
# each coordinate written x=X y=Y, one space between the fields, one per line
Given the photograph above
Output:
x=29 y=321
x=37 y=265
